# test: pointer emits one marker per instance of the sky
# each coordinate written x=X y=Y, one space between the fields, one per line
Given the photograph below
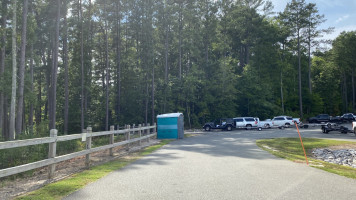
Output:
x=340 y=14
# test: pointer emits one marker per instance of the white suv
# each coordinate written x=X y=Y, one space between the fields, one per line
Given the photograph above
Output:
x=285 y=121
x=247 y=122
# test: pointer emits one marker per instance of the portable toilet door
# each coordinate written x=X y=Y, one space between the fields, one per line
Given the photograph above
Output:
x=170 y=126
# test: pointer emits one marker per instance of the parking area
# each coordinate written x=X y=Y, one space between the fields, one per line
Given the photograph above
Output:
x=222 y=165
x=313 y=131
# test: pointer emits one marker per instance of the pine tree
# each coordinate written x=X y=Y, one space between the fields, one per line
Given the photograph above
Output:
x=3 y=114
x=12 y=134
x=295 y=16
x=20 y=102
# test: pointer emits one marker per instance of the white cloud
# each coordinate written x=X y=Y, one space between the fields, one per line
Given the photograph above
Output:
x=340 y=19
x=338 y=30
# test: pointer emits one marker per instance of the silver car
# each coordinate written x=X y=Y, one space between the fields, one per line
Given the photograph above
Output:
x=245 y=122
x=284 y=121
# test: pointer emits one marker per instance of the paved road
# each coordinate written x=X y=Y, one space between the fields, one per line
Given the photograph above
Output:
x=222 y=165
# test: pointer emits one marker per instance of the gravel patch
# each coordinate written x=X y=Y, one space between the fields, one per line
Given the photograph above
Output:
x=346 y=157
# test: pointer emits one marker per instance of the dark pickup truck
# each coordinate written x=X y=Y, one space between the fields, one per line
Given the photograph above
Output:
x=223 y=123
x=319 y=118
x=324 y=118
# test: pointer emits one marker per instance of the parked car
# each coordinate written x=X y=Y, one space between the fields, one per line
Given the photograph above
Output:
x=285 y=121
x=297 y=120
x=348 y=117
x=245 y=122
x=319 y=118
x=354 y=127
x=223 y=123
x=264 y=124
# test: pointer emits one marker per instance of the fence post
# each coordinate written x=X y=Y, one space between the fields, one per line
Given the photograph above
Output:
x=155 y=130
x=133 y=132
x=148 y=131
x=118 y=128
x=52 y=152
x=139 y=134
x=88 y=146
x=125 y=134
x=112 y=128
x=128 y=137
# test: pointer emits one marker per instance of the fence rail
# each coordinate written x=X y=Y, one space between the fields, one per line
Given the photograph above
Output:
x=85 y=136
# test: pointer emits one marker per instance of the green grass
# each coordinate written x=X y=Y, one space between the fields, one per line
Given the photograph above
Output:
x=291 y=149
x=62 y=188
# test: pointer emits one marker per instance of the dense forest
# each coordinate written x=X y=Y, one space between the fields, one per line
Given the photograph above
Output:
x=69 y=64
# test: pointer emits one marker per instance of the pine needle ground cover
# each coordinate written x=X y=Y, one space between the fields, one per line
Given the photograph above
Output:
x=291 y=149
x=62 y=188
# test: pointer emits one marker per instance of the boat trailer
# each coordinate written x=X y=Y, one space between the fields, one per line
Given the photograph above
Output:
x=326 y=128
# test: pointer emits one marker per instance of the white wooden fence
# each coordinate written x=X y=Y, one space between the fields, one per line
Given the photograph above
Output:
x=85 y=136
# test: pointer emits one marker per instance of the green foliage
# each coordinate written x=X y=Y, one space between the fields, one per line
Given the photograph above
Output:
x=42 y=129
x=223 y=59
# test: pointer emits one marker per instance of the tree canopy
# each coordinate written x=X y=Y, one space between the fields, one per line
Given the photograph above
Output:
x=114 y=62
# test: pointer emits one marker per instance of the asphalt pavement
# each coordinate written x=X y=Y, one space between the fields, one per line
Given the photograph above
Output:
x=222 y=165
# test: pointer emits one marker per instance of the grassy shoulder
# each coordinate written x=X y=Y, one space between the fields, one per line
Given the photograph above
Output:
x=62 y=188
x=291 y=149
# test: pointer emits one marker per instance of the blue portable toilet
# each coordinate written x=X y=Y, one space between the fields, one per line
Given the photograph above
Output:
x=170 y=126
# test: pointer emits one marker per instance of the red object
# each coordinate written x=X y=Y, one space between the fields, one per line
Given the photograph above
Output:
x=301 y=141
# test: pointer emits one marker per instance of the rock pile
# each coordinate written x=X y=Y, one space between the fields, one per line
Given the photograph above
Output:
x=345 y=157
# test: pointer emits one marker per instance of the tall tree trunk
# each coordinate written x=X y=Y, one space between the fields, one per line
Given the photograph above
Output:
x=146 y=100
x=300 y=78
x=50 y=80
x=166 y=58
x=309 y=65
x=30 y=115
x=180 y=39
x=6 y=118
x=81 y=66
x=107 y=71
x=39 y=95
x=126 y=28
x=188 y=113
x=281 y=77
x=153 y=95
x=2 y=68
x=39 y=101
x=87 y=92
x=14 y=73
x=20 y=102
x=345 y=93
x=47 y=63
x=282 y=98
x=52 y=118
x=118 y=64
x=65 y=63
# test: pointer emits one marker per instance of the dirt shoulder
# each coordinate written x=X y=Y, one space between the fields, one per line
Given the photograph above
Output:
x=9 y=189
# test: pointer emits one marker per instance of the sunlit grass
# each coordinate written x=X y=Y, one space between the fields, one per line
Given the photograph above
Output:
x=291 y=149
